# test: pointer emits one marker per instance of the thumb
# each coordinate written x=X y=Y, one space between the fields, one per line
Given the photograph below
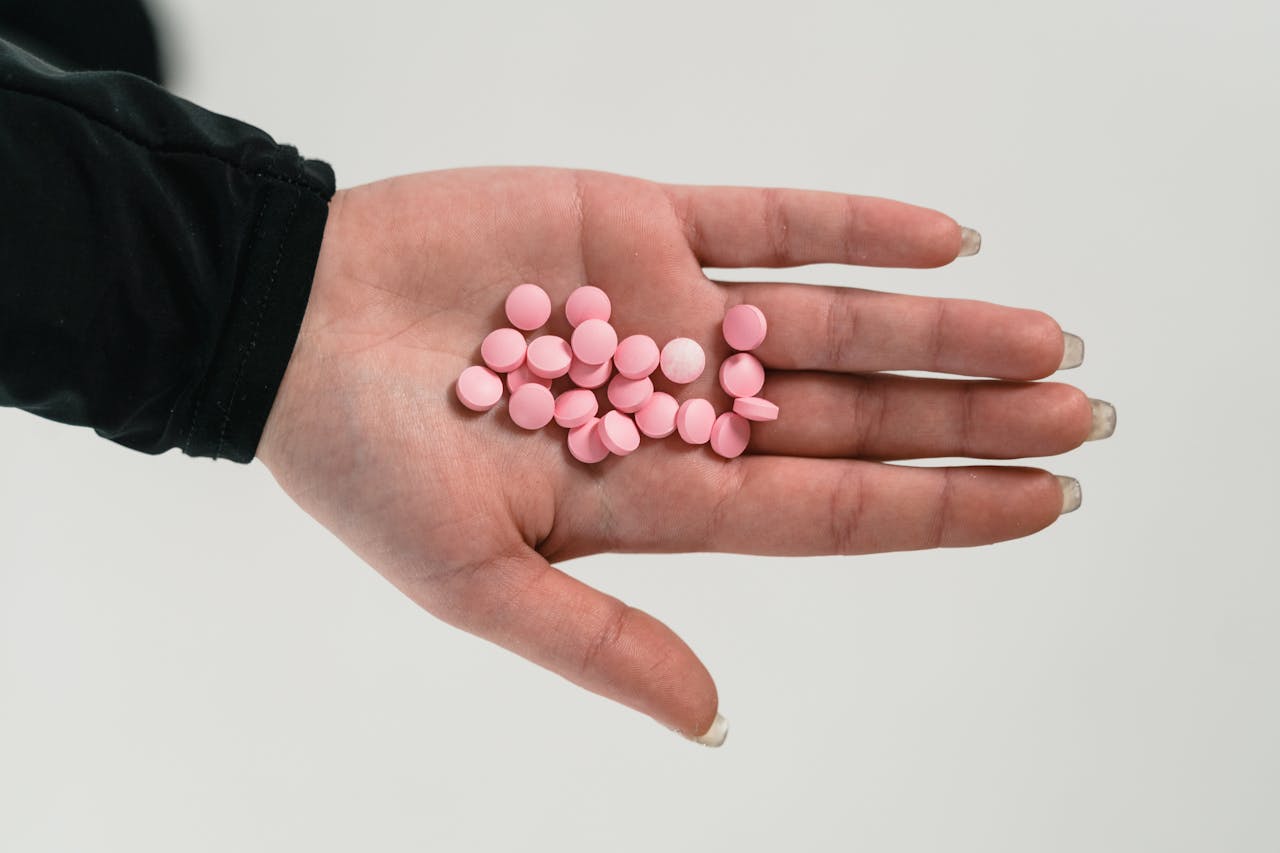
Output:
x=525 y=604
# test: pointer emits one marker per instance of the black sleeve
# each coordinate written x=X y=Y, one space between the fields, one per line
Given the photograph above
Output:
x=155 y=259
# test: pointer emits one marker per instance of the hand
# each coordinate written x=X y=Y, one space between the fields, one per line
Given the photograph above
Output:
x=464 y=513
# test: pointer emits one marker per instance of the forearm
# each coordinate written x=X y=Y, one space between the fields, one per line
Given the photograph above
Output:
x=157 y=259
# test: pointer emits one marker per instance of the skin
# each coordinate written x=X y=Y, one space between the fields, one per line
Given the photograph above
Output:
x=465 y=513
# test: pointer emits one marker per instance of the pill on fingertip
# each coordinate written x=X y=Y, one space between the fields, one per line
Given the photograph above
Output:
x=741 y=375
x=522 y=376
x=637 y=356
x=531 y=406
x=575 y=407
x=619 y=433
x=587 y=303
x=585 y=444
x=528 y=307
x=503 y=350
x=744 y=327
x=479 y=388
x=628 y=395
x=590 y=375
x=549 y=357
x=730 y=435
x=657 y=417
x=694 y=419
x=594 y=341
x=755 y=409
x=683 y=360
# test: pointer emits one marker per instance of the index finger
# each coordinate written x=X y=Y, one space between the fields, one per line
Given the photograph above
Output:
x=768 y=227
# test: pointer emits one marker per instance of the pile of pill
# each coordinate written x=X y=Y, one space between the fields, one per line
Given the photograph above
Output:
x=593 y=358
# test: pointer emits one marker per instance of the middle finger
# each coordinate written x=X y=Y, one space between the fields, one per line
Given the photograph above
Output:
x=817 y=327
x=887 y=417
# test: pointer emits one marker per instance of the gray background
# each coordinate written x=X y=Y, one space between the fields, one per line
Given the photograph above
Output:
x=187 y=662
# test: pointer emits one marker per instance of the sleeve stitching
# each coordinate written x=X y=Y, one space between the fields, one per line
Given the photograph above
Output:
x=253 y=332
x=200 y=388
x=159 y=149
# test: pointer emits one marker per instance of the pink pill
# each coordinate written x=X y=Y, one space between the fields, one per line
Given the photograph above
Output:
x=479 y=388
x=755 y=409
x=528 y=307
x=619 y=433
x=730 y=434
x=694 y=419
x=637 y=356
x=627 y=395
x=531 y=406
x=742 y=375
x=590 y=375
x=683 y=360
x=585 y=443
x=594 y=341
x=657 y=417
x=549 y=356
x=522 y=376
x=575 y=407
x=744 y=327
x=587 y=303
x=503 y=350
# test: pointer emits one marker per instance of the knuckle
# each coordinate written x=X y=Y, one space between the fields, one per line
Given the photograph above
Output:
x=608 y=635
x=777 y=225
x=840 y=330
x=845 y=513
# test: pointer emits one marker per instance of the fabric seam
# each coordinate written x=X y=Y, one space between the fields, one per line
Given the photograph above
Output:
x=204 y=379
x=257 y=323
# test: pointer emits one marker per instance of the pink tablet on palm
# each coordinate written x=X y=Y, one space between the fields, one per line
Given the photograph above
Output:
x=744 y=327
x=683 y=360
x=528 y=307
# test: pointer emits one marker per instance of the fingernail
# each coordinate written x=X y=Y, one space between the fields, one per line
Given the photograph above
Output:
x=970 y=242
x=1072 y=351
x=1104 y=420
x=716 y=734
x=1070 y=494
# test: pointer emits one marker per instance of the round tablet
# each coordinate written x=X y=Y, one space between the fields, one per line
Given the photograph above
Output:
x=694 y=419
x=503 y=350
x=744 y=327
x=479 y=388
x=730 y=434
x=594 y=341
x=590 y=375
x=627 y=395
x=585 y=443
x=637 y=356
x=522 y=376
x=683 y=360
x=657 y=417
x=531 y=406
x=587 y=303
x=619 y=433
x=575 y=407
x=528 y=307
x=755 y=409
x=548 y=356
x=741 y=375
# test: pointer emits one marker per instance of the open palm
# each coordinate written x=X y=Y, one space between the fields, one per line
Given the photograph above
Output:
x=465 y=512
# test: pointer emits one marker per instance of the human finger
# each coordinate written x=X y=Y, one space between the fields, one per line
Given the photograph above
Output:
x=883 y=416
x=816 y=327
x=798 y=506
x=770 y=227
x=525 y=604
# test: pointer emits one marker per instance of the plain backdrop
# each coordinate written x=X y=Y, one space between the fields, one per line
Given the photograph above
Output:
x=188 y=662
